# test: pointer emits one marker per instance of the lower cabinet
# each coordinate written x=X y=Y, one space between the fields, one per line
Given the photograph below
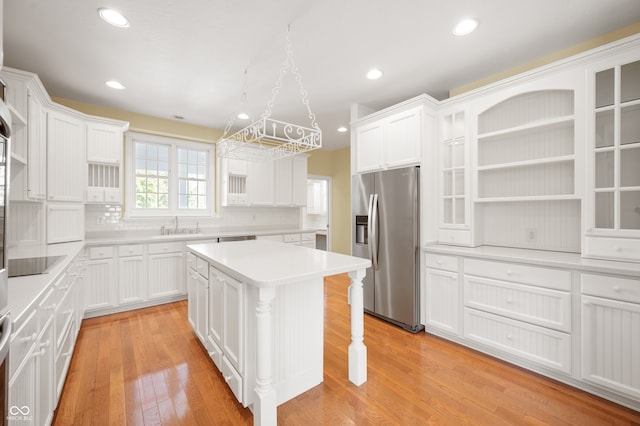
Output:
x=537 y=317
x=100 y=292
x=40 y=351
x=132 y=274
x=231 y=333
x=611 y=333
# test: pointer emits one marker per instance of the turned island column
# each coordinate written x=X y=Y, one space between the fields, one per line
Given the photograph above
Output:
x=265 y=410
x=357 y=349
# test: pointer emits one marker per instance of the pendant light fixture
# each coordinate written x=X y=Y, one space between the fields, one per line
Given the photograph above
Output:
x=268 y=137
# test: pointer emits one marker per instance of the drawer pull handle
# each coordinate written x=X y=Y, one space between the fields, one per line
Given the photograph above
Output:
x=39 y=353
x=439 y=262
x=45 y=344
x=31 y=338
x=509 y=336
x=51 y=307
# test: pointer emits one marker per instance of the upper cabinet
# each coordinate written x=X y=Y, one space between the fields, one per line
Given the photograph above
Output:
x=264 y=182
x=613 y=161
x=390 y=139
x=65 y=155
x=104 y=161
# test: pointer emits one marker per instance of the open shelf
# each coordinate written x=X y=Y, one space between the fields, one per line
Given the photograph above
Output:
x=525 y=128
x=528 y=163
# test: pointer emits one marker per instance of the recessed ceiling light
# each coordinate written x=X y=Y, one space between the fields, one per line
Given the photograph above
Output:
x=374 y=74
x=243 y=116
x=113 y=17
x=466 y=26
x=115 y=85
x=342 y=129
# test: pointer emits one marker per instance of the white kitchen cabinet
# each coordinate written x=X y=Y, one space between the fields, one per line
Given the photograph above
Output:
x=36 y=148
x=234 y=182
x=45 y=374
x=99 y=285
x=65 y=156
x=192 y=294
x=202 y=302
x=442 y=294
x=392 y=140
x=291 y=181
x=454 y=178
x=610 y=330
x=261 y=179
x=233 y=321
x=65 y=222
x=23 y=387
x=104 y=142
x=166 y=269
x=215 y=317
x=132 y=274
x=613 y=141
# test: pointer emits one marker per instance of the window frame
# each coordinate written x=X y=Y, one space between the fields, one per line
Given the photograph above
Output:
x=131 y=211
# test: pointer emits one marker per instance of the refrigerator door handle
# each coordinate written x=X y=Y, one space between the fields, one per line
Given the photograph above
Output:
x=373 y=230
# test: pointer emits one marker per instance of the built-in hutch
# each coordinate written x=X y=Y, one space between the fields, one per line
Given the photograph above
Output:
x=535 y=253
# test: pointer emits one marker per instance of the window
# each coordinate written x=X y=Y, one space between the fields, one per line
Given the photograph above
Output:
x=168 y=177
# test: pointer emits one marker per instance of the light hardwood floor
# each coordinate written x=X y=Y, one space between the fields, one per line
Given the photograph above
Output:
x=146 y=367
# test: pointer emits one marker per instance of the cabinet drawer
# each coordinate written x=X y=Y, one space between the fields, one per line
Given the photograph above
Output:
x=100 y=253
x=191 y=260
x=202 y=266
x=455 y=236
x=47 y=306
x=95 y=195
x=436 y=261
x=131 y=250
x=112 y=195
x=232 y=377
x=292 y=238
x=534 y=275
x=613 y=248
x=541 y=306
x=540 y=345
x=624 y=289
x=159 y=248
x=308 y=236
x=63 y=315
x=215 y=352
x=22 y=340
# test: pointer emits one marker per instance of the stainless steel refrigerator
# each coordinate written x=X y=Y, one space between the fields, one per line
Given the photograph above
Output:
x=386 y=212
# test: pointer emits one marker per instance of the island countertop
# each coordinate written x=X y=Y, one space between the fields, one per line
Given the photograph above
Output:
x=264 y=263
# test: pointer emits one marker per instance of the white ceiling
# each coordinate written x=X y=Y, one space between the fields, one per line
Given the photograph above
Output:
x=188 y=57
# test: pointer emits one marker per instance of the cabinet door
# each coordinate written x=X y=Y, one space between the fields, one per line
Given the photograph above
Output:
x=233 y=325
x=202 y=301
x=22 y=390
x=610 y=345
x=166 y=275
x=46 y=384
x=104 y=143
x=99 y=285
x=403 y=138
x=192 y=297
x=65 y=222
x=216 y=303
x=299 y=182
x=65 y=157
x=369 y=147
x=36 y=149
x=442 y=300
x=261 y=181
x=283 y=178
x=132 y=280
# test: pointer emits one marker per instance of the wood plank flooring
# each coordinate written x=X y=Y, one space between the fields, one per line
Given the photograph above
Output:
x=146 y=367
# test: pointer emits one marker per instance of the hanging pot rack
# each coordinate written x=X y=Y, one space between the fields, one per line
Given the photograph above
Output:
x=268 y=138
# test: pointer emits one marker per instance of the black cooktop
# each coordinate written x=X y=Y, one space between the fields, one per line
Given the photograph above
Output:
x=32 y=265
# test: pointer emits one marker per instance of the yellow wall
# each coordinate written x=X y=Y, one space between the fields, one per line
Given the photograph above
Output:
x=336 y=164
x=565 y=53
x=145 y=123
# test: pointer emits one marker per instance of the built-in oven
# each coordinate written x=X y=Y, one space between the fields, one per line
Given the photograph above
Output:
x=5 y=321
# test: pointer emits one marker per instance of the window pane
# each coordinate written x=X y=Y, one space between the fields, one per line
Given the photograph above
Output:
x=630 y=82
x=183 y=201
x=141 y=150
x=202 y=174
x=193 y=157
x=604 y=129
x=604 y=88
x=163 y=168
x=604 y=210
x=604 y=169
x=152 y=167
x=163 y=201
x=193 y=171
x=163 y=186
x=630 y=167
x=163 y=153
x=630 y=209
x=630 y=125
x=141 y=166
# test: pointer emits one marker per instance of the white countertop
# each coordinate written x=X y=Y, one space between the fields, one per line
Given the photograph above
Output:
x=25 y=291
x=266 y=263
x=540 y=257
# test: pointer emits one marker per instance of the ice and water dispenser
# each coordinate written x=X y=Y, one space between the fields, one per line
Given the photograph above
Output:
x=362 y=230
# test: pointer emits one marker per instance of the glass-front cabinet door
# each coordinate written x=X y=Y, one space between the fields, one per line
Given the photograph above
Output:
x=453 y=186
x=614 y=172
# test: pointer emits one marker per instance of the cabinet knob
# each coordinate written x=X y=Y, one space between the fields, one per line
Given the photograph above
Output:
x=509 y=272
x=509 y=336
x=616 y=288
x=439 y=262
x=31 y=338
x=509 y=300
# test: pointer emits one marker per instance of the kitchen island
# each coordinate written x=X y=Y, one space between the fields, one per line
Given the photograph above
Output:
x=273 y=351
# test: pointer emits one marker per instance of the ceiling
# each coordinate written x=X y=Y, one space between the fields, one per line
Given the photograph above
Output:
x=188 y=57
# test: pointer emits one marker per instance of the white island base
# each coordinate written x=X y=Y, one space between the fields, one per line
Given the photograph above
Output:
x=281 y=293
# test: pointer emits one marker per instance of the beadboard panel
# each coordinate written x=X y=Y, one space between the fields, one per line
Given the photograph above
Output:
x=555 y=224
x=26 y=223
